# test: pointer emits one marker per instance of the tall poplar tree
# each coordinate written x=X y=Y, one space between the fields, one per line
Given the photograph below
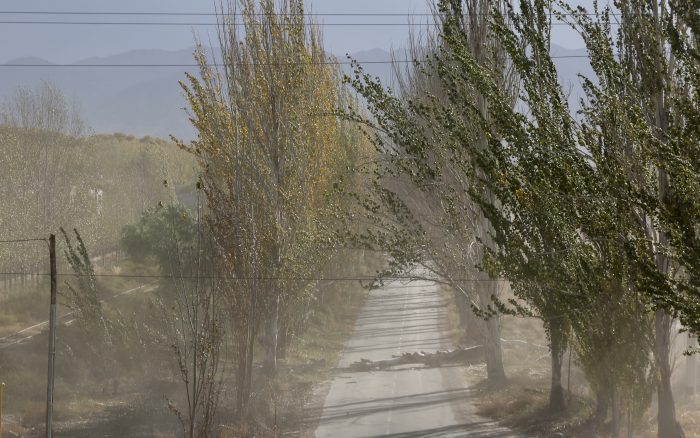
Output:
x=270 y=148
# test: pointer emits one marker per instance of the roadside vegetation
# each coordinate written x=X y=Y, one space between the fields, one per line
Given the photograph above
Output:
x=94 y=397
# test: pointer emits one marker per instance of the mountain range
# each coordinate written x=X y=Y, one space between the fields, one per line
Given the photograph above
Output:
x=146 y=100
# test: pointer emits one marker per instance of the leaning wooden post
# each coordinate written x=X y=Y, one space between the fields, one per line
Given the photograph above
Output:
x=2 y=390
x=52 y=337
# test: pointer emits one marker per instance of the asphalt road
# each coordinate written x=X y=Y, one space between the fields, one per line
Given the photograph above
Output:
x=407 y=401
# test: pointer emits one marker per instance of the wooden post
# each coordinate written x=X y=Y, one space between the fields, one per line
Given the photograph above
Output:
x=52 y=337
x=2 y=390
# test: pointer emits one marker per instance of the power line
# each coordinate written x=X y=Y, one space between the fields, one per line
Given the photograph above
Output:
x=223 y=277
x=195 y=65
x=22 y=240
x=240 y=14
x=167 y=23
x=404 y=61
x=222 y=14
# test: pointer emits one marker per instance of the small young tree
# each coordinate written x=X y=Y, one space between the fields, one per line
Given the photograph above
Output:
x=82 y=297
x=195 y=328
x=189 y=301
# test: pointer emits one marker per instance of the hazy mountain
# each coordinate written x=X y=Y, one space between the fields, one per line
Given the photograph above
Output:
x=29 y=60
x=148 y=100
x=134 y=100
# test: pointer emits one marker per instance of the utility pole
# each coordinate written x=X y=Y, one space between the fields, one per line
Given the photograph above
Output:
x=52 y=337
x=2 y=390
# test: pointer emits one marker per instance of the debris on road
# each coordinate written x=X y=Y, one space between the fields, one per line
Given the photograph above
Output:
x=458 y=355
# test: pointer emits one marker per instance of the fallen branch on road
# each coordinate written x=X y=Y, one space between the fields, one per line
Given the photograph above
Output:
x=458 y=355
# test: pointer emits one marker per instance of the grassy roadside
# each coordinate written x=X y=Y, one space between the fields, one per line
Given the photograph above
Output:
x=298 y=389
x=522 y=403
x=91 y=402
x=26 y=304
x=23 y=366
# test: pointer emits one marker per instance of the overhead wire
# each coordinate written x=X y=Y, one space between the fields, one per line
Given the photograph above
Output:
x=280 y=64
x=218 y=14
x=223 y=277
x=22 y=240
x=241 y=14
x=167 y=23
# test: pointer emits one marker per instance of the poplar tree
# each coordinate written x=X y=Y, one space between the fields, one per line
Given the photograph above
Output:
x=270 y=148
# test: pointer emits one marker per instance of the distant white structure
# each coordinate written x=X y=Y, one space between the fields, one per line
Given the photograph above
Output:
x=94 y=195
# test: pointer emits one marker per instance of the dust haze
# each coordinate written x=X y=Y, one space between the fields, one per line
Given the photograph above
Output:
x=473 y=231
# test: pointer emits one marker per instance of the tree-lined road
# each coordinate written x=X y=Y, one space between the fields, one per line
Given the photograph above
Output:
x=405 y=401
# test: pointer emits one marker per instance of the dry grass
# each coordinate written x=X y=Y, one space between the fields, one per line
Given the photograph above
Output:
x=689 y=416
x=22 y=305
x=522 y=403
x=26 y=303
x=292 y=406
x=80 y=397
x=687 y=413
x=87 y=405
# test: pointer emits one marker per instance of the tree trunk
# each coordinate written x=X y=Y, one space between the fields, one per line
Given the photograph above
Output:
x=667 y=423
x=602 y=399
x=668 y=426
x=494 y=357
x=468 y=321
x=249 y=371
x=244 y=372
x=557 y=401
x=241 y=374
x=282 y=341
x=615 y=407
x=492 y=341
x=272 y=339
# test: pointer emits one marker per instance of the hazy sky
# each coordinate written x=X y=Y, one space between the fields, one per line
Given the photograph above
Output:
x=62 y=44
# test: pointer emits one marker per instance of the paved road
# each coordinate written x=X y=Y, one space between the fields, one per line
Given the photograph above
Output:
x=28 y=333
x=406 y=401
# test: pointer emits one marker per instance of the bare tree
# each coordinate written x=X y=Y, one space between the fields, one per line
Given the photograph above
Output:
x=194 y=322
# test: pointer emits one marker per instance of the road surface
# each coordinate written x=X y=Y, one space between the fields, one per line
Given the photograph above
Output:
x=406 y=401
